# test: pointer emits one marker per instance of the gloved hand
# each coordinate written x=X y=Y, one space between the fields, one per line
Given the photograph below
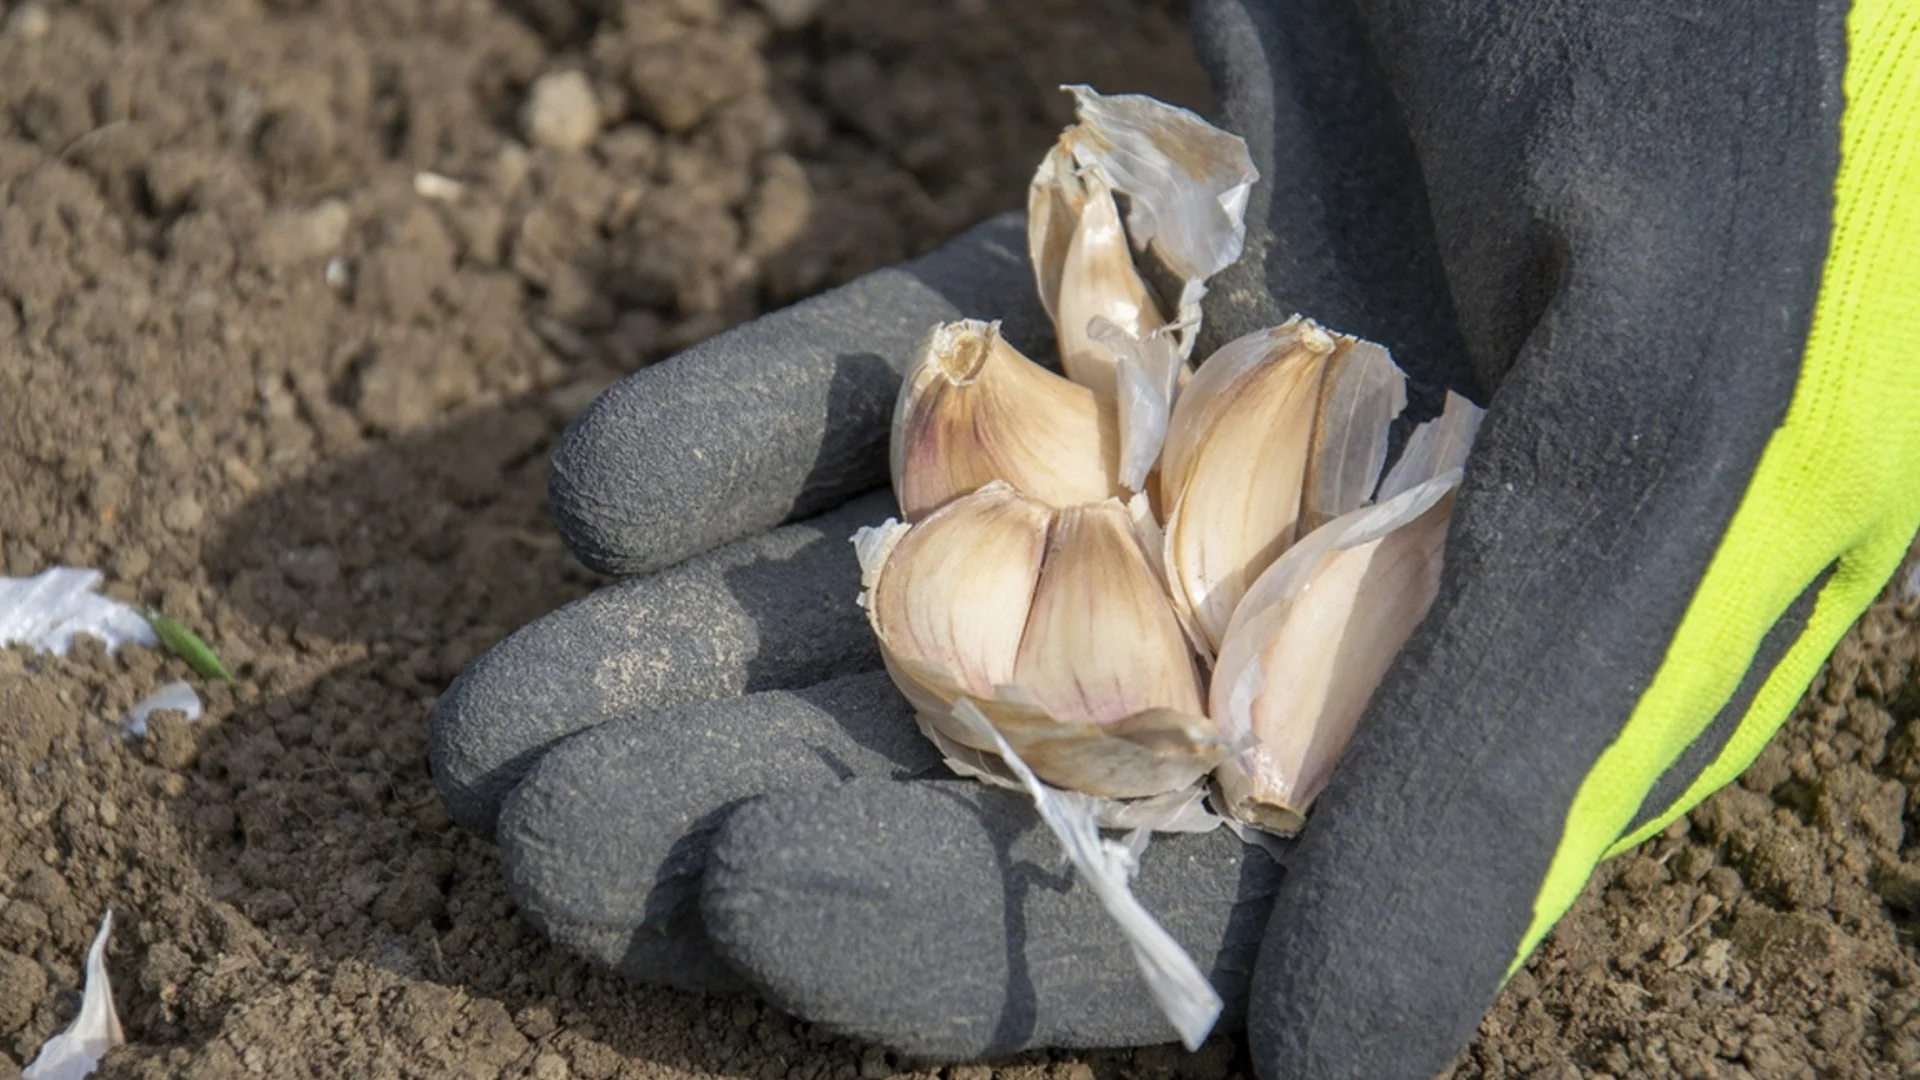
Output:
x=1655 y=245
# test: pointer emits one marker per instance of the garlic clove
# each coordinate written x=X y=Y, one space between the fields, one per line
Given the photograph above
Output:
x=952 y=595
x=1097 y=280
x=1234 y=466
x=1186 y=182
x=1101 y=643
x=1311 y=642
x=973 y=409
x=1279 y=432
x=1211 y=391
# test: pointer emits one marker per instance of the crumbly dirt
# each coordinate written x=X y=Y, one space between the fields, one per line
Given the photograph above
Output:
x=294 y=298
x=1769 y=933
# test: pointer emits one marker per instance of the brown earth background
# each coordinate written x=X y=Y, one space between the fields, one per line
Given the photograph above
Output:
x=338 y=477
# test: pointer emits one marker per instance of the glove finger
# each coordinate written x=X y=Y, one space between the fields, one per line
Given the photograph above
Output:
x=772 y=611
x=605 y=840
x=941 y=919
x=776 y=419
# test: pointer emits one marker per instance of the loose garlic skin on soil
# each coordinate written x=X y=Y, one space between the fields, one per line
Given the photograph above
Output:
x=1140 y=574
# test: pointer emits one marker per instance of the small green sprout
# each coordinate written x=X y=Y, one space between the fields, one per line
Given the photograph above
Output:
x=187 y=645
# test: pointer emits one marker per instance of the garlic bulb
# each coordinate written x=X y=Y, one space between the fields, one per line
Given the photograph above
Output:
x=1127 y=581
x=1139 y=575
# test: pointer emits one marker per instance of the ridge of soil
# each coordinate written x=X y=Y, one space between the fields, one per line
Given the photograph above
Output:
x=253 y=371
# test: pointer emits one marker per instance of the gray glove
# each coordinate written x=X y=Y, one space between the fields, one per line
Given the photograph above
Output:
x=719 y=721
x=700 y=777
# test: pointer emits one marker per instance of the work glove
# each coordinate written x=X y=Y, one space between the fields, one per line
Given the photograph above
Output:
x=1676 y=254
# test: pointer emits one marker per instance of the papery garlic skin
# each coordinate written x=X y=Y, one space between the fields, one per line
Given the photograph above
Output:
x=972 y=409
x=1147 y=373
x=1186 y=182
x=1435 y=448
x=1361 y=394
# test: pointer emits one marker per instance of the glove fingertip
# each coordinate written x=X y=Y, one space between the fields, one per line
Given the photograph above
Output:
x=941 y=919
x=473 y=757
x=776 y=419
x=768 y=422
x=800 y=895
x=591 y=865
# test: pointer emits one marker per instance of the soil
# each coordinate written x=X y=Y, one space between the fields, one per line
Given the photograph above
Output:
x=297 y=296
